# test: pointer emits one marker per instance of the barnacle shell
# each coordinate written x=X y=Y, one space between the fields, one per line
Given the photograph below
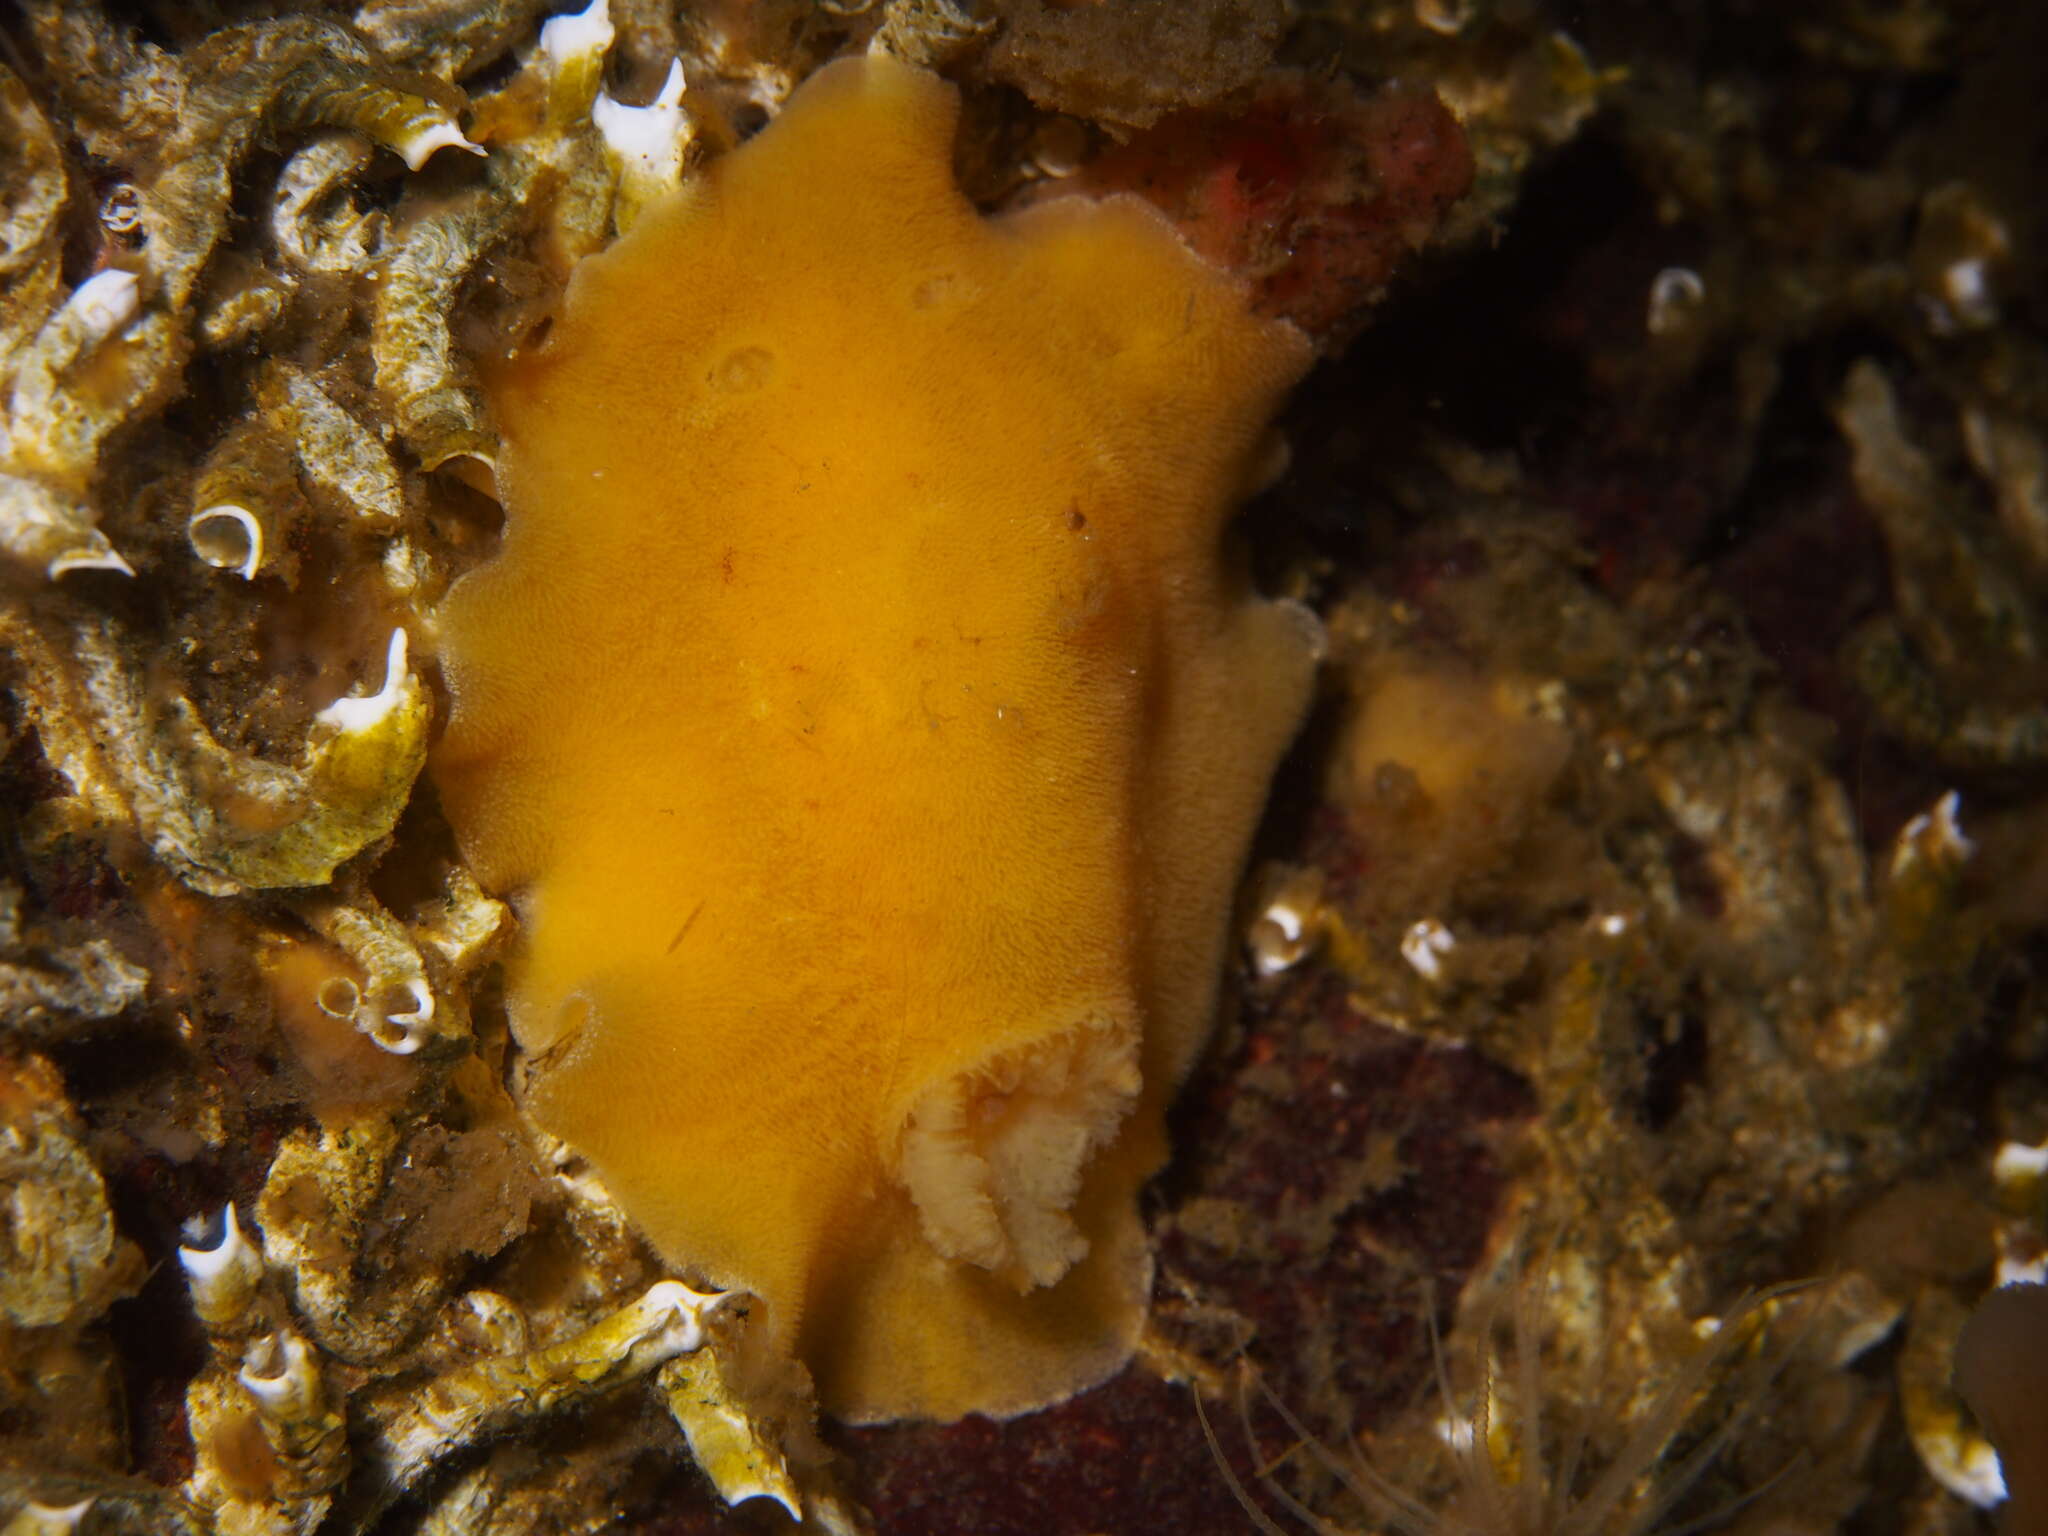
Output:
x=741 y=1455
x=455 y=1409
x=31 y=198
x=316 y=227
x=1953 y=668
x=396 y=1007
x=55 y=533
x=262 y=825
x=102 y=357
x=445 y=38
x=424 y=266
x=224 y=1275
x=320 y=1191
x=269 y=1438
x=294 y=72
x=60 y=1259
x=336 y=453
x=49 y=981
x=92 y=362
x=1949 y=1445
x=279 y=1372
x=645 y=145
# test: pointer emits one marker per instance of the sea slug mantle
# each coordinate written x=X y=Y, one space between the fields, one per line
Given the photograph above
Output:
x=869 y=727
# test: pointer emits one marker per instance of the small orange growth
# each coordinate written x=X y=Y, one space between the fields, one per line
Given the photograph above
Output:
x=1443 y=771
x=867 y=723
x=1476 y=752
x=315 y=991
x=248 y=1463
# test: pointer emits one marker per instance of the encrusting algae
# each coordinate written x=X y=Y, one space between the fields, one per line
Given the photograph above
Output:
x=869 y=726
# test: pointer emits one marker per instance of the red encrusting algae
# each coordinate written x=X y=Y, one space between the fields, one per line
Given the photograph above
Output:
x=1314 y=193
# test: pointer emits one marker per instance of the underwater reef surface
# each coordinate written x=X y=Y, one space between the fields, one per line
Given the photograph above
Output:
x=1632 y=1067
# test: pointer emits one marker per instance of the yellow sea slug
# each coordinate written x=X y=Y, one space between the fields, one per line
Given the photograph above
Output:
x=867 y=723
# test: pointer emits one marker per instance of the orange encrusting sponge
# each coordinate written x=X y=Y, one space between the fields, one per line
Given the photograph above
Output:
x=869 y=727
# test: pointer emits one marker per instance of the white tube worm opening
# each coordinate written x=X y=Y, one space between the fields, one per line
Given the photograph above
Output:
x=228 y=538
x=361 y=714
x=278 y=1373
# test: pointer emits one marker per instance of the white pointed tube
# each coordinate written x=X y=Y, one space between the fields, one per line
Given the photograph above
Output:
x=673 y=1322
x=356 y=713
x=279 y=1374
x=404 y=1033
x=645 y=145
x=91 y=559
x=1934 y=836
x=223 y=1276
x=417 y=148
x=493 y=1323
x=102 y=305
x=568 y=39
x=1424 y=946
x=572 y=51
